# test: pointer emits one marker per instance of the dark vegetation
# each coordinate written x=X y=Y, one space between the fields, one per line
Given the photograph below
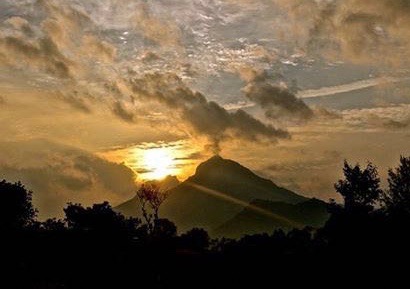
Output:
x=366 y=238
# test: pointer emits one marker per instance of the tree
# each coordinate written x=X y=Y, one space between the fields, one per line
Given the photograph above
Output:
x=54 y=225
x=17 y=211
x=151 y=199
x=164 y=229
x=99 y=217
x=195 y=239
x=397 y=197
x=352 y=228
x=360 y=188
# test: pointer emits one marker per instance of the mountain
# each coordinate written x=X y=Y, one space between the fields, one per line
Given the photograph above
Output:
x=219 y=190
x=166 y=184
x=274 y=215
x=131 y=207
x=228 y=199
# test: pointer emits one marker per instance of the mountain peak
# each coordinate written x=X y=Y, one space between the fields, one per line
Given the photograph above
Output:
x=217 y=165
x=214 y=159
x=219 y=190
x=167 y=183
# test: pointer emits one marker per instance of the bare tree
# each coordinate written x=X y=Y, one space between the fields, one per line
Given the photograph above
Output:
x=151 y=198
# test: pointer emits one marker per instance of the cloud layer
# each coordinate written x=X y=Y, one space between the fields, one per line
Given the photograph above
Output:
x=362 y=31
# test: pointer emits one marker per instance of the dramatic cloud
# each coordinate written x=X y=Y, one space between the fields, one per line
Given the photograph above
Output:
x=205 y=117
x=277 y=102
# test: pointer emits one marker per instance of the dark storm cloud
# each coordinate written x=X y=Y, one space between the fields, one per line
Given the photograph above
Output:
x=205 y=117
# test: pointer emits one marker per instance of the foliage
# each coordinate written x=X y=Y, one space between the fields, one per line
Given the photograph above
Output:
x=360 y=188
x=196 y=239
x=17 y=211
x=397 y=197
x=99 y=217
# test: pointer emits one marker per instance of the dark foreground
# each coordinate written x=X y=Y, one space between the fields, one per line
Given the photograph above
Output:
x=366 y=241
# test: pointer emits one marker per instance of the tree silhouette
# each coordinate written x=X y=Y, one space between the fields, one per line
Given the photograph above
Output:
x=103 y=249
x=17 y=211
x=151 y=198
x=361 y=188
x=353 y=227
x=397 y=197
x=164 y=229
x=54 y=225
x=99 y=217
x=195 y=239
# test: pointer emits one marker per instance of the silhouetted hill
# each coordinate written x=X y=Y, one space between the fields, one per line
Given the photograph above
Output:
x=276 y=215
x=131 y=207
x=218 y=191
x=166 y=184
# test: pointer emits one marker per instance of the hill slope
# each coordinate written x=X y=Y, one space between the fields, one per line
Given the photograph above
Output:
x=218 y=191
x=283 y=216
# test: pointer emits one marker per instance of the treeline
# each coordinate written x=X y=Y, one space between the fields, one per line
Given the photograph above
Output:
x=95 y=247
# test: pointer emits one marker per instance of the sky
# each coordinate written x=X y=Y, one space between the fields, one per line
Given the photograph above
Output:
x=93 y=93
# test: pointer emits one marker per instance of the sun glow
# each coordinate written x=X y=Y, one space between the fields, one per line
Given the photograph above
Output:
x=158 y=162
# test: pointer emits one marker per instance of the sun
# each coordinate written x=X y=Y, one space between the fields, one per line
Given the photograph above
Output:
x=159 y=163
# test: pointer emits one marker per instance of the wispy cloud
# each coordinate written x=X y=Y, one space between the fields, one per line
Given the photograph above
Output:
x=348 y=87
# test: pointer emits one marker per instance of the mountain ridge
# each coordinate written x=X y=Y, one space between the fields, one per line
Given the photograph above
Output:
x=220 y=189
x=217 y=192
x=312 y=213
